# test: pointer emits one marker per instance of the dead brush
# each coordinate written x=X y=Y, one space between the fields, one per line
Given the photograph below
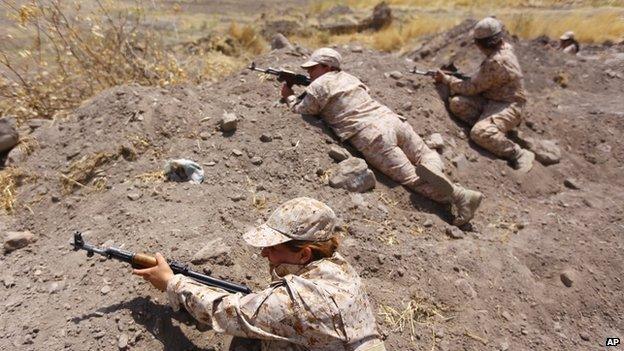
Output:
x=417 y=311
x=151 y=177
x=65 y=53
x=10 y=179
x=81 y=172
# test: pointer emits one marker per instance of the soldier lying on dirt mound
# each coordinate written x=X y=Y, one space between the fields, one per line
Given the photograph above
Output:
x=387 y=142
x=492 y=100
x=315 y=302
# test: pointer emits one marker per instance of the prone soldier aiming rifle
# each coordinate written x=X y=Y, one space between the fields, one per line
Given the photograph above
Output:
x=138 y=260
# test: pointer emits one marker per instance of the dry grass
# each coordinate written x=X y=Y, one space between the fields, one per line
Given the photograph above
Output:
x=10 y=179
x=83 y=171
x=151 y=177
x=417 y=311
x=589 y=25
x=248 y=38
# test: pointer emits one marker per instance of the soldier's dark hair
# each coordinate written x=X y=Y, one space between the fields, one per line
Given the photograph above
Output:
x=320 y=249
x=490 y=42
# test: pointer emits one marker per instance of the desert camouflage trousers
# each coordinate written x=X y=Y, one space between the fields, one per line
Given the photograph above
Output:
x=393 y=147
x=490 y=121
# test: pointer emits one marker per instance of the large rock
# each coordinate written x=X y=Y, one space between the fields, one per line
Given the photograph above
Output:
x=547 y=152
x=17 y=240
x=279 y=41
x=381 y=17
x=8 y=134
x=353 y=174
x=215 y=251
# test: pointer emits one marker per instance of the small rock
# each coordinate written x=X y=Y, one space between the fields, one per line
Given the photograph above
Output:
x=122 y=342
x=105 y=290
x=265 y=138
x=357 y=49
x=215 y=251
x=504 y=346
x=455 y=233
x=395 y=75
x=572 y=184
x=238 y=197
x=237 y=152
x=338 y=154
x=584 y=336
x=204 y=135
x=557 y=327
x=354 y=175
x=55 y=287
x=547 y=152
x=9 y=136
x=407 y=106
x=435 y=141
x=17 y=240
x=256 y=160
x=229 y=122
x=134 y=196
x=567 y=277
x=428 y=223
x=506 y=315
x=55 y=198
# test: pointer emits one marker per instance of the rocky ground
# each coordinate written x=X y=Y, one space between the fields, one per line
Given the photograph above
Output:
x=540 y=268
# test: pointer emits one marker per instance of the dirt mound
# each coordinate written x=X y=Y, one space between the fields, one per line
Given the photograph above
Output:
x=539 y=270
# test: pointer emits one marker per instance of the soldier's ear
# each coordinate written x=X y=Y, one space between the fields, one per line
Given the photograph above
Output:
x=305 y=255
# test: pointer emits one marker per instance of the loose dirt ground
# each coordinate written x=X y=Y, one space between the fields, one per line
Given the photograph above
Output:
x=499 y=288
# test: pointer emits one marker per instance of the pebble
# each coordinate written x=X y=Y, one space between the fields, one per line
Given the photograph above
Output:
x=567 y=278
x=357 y=49
x=572 y=183
x=105 y=290
x=256 y=160
x=428 y=223
x=338 y=154
x=584 y=336
x=229 y=122
x=134 y=196
x=237 y=152
x=455 y=233
x=265 y=138
x=204 y=135
x=395 y=75
x=238 y=197
x=504 y=346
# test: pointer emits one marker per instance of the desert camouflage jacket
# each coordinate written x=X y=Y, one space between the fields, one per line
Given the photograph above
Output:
x=321 y=307
x=343 y=102
x=499 y=78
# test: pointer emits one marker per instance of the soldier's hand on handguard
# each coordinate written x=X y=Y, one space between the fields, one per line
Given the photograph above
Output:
x=158 y=275
x=439 y=76
x=286 y=91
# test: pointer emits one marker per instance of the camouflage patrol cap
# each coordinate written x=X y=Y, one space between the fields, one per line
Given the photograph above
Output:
x=301 y=218
x=487 y=27
x=325 y=56
x=567 y=35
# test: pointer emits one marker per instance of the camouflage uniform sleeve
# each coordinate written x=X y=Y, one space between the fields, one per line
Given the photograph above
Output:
x=260 y=315
x=308 y=105
x=490 y=74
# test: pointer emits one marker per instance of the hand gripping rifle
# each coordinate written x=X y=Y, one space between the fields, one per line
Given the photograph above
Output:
x=138 y=260
x=432 y=73
x=291 y=78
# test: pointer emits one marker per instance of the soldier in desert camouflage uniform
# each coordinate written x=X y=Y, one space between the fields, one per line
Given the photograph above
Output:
x=387 y=142
x=493 y=99
x=316 y=300
x=568 y=44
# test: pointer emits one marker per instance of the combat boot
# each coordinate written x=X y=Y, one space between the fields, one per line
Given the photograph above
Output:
x=437 y=179
x=523 y=161
x=466 y=202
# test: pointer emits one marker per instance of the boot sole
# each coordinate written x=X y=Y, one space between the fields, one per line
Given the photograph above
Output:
x=474 y=205
x=435 y=178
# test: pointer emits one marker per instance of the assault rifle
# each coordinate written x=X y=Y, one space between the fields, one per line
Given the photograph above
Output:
x=291 y=78
x=138 y=260
x=432 y=73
